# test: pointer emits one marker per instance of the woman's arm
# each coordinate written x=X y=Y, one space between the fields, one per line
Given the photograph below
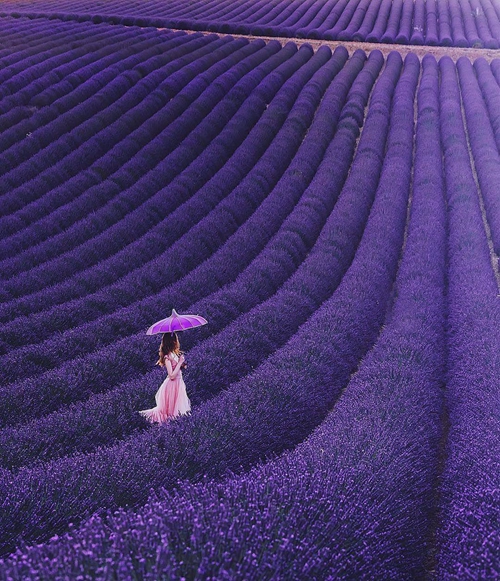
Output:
x=172 y=373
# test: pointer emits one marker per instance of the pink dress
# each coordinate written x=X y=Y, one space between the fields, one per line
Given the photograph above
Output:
x=171 y=399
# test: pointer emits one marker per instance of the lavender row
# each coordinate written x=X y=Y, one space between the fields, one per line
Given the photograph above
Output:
x=31 y=37
x=473 y=23
x=50 y=437
x=40 y=58
x=467 y=540
x=104 y=59
x=491 y=95
x=389 y=22
x=482 y=142
x=19 y=32
x=343 y=487
x=239 y=426
x=373 y=463
x=36 y=46
x=151 y=68
x=266 y=217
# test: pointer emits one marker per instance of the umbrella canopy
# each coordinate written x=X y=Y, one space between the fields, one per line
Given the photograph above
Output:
x=175 y=323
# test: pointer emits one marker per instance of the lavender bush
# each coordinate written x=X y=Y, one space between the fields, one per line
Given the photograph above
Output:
x=445 y=36
x=368 y=21
x=483 y=146
x=392 y=26
x=381 y=21
x=404 y=34
x=492 y=20
x=481 y=21
x=457 y=25
x=418 y=28
x=489 y=90
x=469 y=20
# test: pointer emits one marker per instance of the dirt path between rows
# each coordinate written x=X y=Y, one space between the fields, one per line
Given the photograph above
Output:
x=438 y=51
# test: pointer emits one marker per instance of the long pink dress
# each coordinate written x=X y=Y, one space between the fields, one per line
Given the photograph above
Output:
x=171 y=399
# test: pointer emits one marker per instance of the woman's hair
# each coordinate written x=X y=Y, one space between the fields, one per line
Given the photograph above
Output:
x=169 y=344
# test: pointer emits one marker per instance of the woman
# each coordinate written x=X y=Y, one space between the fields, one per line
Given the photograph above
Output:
x=171 y=398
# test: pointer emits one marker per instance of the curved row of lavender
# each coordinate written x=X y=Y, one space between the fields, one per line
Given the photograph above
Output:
x=299 y=203
x=474 y=23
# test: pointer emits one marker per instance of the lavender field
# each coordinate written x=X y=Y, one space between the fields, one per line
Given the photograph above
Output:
x=334 y=215
x=462 y=23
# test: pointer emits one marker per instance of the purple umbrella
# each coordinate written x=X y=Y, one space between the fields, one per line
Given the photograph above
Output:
x=176 y=322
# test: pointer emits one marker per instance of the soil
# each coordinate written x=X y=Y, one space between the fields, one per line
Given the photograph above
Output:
x=438 y=51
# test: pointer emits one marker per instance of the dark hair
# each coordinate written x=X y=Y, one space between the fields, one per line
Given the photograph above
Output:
x=169 y=344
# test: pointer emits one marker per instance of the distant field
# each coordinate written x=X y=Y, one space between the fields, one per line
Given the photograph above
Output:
x=461 y=23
